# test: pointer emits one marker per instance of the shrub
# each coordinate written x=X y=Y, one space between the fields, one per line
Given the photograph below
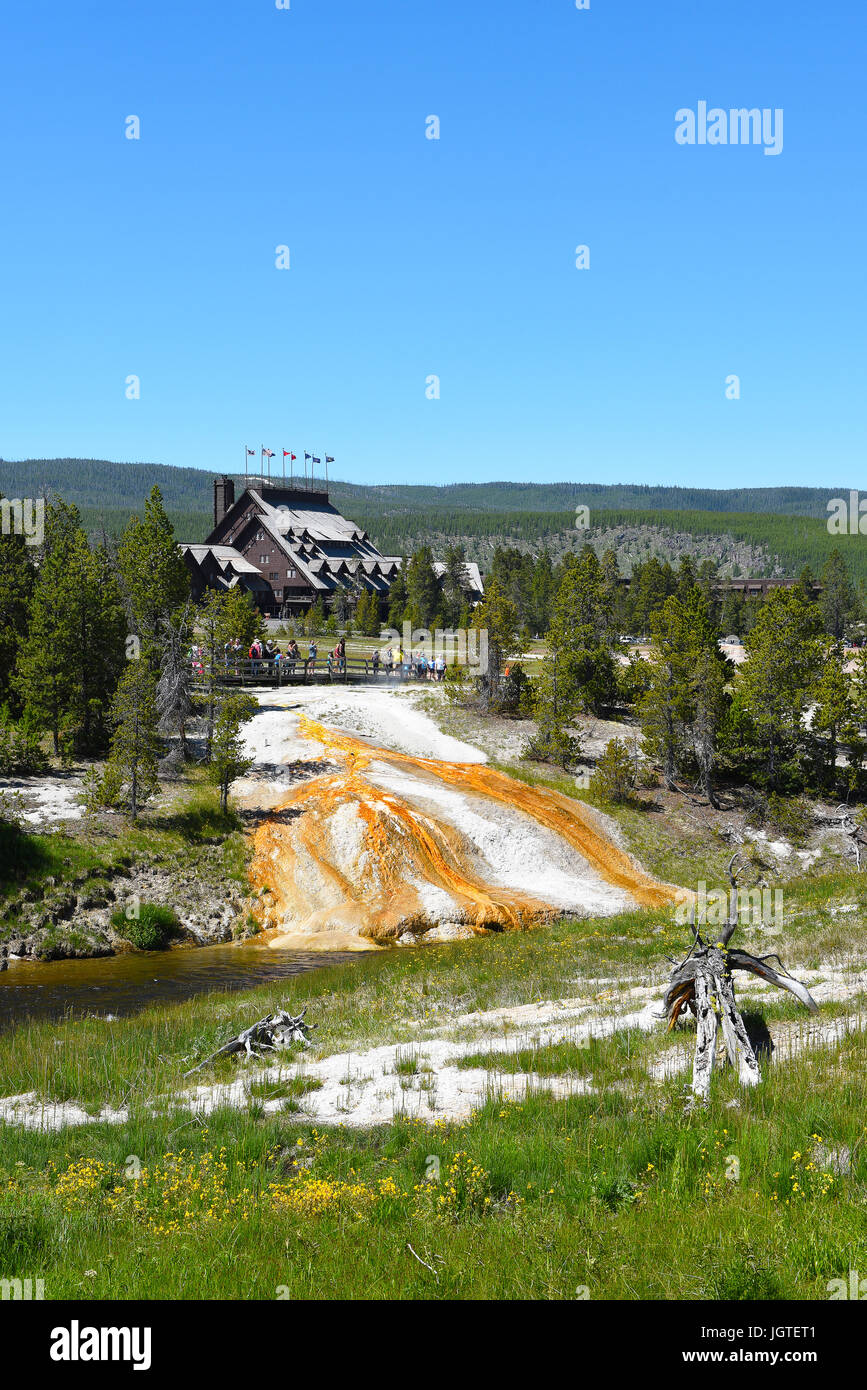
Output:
x=791 y=816
x=151 y=930
x=516 y=696
x=552 y=743
x=614 y=778
x=20 y=750
x=102 y=788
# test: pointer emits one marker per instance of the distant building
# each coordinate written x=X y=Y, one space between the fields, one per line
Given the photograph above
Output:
x=289 y=547
x=760 y=588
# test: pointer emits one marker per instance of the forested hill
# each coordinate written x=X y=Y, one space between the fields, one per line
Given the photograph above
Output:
x=749 y=530
x=95 y=483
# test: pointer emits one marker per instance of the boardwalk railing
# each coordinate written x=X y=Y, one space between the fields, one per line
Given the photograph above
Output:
x=247 y=671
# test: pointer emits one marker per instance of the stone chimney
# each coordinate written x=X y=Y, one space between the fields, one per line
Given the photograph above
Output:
x=224 y=496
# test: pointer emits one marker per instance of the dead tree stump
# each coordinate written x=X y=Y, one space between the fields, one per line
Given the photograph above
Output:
x=703 y=983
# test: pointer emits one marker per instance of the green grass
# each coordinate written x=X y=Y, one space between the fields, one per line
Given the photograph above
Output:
x=628 y=1198
x=291 y=1088
x=612 y=1059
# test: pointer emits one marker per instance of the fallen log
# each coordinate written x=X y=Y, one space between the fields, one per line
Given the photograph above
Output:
x=703 y=982
x=269 y=1034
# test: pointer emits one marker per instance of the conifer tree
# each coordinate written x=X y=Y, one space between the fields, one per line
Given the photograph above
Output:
x=838 y=602
x=17 y=578
x=69 y=666
x=834 y=708
x=453 y=583
x=229 y=758
x=422 y=589
x=542 y=589
x=174 y=689
x=775 y=685
x=135 y=744
x=498 y=617
x=154 y=574
x=684 y=705
x=397 y=598
x=222 y=616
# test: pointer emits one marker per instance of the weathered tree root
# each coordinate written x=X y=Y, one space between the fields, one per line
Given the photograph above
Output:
x=703 y=981
x=271 y=1033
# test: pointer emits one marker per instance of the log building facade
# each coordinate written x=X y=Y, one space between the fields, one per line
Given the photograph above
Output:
x=289 y=547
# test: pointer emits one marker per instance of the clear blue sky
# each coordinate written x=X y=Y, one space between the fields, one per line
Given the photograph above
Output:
x=411 y=257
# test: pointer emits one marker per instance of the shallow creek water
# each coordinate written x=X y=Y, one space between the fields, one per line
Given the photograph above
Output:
x=125 y=984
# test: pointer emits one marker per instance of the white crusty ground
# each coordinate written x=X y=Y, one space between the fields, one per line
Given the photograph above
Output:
x=363 y=1088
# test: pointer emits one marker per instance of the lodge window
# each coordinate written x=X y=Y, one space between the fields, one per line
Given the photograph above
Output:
x=274 y=575
x=290 y=574
x=264 y=559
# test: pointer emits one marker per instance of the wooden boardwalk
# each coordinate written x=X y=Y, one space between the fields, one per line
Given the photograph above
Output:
x=353 y=671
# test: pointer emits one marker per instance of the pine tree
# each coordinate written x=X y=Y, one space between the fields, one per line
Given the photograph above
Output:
x=834 y=709
x=838 y=602
x=709 y=700
x=580 y=634
x=102 y=644
x=135 y=744
x=682 y=709
x=422 y=589
x=174 y=690
x=367 y=615
x=397 y=598
x=223 y=616
x=542 y=590
x=154 y=574
x=45 y=674
x=612 y=596
x=498 y=617
x=17 y=579
x=70 y=664
x=784 y=655
x=229 y=758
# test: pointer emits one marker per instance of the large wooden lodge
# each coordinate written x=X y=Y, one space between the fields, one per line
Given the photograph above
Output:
x=288 y=547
